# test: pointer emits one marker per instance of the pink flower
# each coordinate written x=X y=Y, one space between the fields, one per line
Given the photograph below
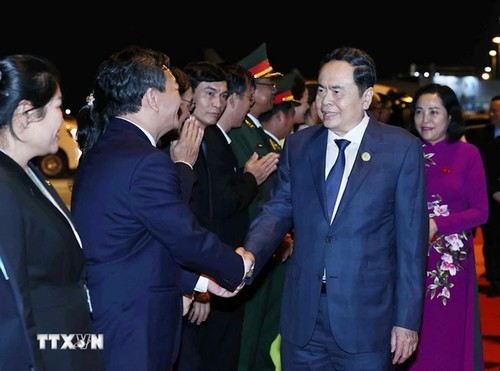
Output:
x=445 y=293
x=454 y=242
x=447 y=264
x=441 y=210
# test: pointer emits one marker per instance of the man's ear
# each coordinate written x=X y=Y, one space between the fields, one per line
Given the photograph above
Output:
x=367 y=98
x=280 y=115
x=151 y=99
x=232 y=100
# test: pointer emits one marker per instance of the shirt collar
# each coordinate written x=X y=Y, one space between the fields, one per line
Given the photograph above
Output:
x=225 y=134
x=150 y=137
x=355 y=135
x=255 y=120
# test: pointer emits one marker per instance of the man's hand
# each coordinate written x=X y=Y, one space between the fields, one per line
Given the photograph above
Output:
x=199 y=312
x=187 y=147
x=186 y=304
x=262 y=167
x=248 y=260
x=285 y=249
x=403 y=343
x=216 y=289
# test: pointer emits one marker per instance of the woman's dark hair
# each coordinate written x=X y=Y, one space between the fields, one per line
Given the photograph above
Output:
x=456 y=127
x=181 y=78
x=365 y=74
x=121 y=82
x=312 y=86
x=26 y=77
x=299 y=86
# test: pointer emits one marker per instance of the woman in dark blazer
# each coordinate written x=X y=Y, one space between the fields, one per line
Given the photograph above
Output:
x=40 y=244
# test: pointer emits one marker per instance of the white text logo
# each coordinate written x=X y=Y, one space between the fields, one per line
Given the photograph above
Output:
x=70 y=341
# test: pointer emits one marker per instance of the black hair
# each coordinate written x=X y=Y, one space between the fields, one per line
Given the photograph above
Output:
x=120 y=84
x=365 y=74
x=204 y=71
x=456 y=127
x=238 y=79
x=26 y=77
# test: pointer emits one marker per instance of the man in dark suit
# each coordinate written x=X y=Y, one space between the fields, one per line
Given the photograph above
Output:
x=487 y=139
x=136 y=230
x=233 y=188
x=219 y=200
x=354 y=286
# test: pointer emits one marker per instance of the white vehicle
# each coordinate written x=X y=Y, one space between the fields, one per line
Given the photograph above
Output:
x=65 y=160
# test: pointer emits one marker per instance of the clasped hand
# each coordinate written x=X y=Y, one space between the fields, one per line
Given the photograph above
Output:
x=249 y=263
x=186 y=148
x=248 y=260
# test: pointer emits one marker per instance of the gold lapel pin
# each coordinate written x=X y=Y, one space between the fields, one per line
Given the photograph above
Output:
x=365 y=156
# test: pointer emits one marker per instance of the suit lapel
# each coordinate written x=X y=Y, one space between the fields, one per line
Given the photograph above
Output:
x=317 y=159
x=48 y=186
x=371 y=144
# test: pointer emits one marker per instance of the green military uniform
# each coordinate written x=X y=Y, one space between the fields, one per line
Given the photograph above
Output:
x=246 y=140
x=263 y=297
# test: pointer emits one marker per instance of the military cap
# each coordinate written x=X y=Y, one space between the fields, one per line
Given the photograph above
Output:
x=258 y=64
x=284 y=87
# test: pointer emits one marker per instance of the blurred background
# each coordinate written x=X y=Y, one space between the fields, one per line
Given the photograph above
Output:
x=406 y=39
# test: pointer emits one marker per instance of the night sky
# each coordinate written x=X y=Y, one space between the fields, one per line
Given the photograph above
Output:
x=395 y=37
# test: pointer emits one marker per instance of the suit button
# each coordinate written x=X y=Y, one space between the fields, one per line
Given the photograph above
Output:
x=329 y=239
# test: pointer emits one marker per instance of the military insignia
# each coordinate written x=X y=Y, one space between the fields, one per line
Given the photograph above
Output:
x=274 y=145
x=250 y=124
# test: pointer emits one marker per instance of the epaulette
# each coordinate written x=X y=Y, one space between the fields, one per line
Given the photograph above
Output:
x=249 y=123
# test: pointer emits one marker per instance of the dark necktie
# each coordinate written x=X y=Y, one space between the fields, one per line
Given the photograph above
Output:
x=334 y=178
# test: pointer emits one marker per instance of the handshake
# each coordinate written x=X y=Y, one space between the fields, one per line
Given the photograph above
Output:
x=249 y=263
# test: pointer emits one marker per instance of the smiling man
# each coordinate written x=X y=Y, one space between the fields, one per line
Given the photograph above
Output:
x=354 y=285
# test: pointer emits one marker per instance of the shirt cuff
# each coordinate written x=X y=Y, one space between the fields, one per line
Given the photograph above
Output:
x=202 y=284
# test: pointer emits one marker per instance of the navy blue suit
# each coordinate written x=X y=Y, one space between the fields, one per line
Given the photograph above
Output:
x=374 y=251
x=137 y=235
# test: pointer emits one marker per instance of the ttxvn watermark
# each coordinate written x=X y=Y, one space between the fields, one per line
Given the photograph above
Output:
x=70 y=341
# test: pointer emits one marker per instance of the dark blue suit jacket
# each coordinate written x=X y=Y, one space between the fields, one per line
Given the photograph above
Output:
x=374 y=251
x=137 y=234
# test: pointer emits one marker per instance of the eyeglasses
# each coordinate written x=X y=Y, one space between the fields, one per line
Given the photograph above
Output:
x=270 y=84
x=191 y=105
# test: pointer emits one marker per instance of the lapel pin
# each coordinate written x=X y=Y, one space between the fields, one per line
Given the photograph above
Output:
x=365 y=156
